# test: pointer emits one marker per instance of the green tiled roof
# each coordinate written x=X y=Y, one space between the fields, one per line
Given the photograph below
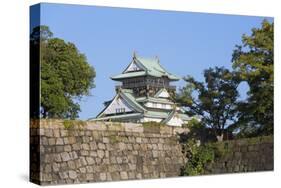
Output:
x=170 y=115
x=152 y=68
x=139 y=110
x=121 y=116
x=129 y=97
x=154 y=99
x=156 y=114
x=184 y=117
x=129 y=75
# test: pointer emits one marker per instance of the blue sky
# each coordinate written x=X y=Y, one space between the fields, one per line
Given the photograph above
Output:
x=186 y=43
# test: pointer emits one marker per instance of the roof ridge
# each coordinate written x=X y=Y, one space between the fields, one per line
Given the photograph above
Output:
x=134 y=103
x=171 y=114
x=151 y=66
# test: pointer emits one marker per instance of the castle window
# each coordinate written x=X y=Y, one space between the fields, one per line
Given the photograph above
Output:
x=120 y=110
x=163 y=105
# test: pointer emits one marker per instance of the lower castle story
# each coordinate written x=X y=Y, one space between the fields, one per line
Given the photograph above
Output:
x=145 y=95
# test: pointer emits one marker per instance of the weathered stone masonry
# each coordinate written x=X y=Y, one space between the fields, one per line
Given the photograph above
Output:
x=102 y=152
x=105 y=151
x=244 y=155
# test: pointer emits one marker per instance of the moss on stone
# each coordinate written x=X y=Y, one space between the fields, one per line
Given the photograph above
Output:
x=254 y=140
x=114 y=139
x=151 y=127
x=69 y=124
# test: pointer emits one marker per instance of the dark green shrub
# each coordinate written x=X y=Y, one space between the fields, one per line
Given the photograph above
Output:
x=198 y=156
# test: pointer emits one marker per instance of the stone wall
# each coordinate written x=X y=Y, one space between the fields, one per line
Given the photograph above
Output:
x=244 y=155
x=77 y=152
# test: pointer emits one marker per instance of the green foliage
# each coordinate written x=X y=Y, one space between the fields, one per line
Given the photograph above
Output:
x=66 y=75
x=152 y=127
x=221 y=149
x=194 y=123
x=214 y=100
x=254 y=62
x=199 y=132
x=198 y=157
x=114 y=139
x=69 y=124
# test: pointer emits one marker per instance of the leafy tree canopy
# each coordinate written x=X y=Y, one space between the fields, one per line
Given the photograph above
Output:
x=214 y=100
x=66 y=75
x=253 y=60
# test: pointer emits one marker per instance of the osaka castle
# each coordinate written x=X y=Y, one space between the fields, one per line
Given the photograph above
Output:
x=144 y=94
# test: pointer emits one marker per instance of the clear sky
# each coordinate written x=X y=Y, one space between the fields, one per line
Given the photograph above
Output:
x=186 y=43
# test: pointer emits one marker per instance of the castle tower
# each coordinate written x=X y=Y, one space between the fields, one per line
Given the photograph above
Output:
x=145 y=76
x=145 y=94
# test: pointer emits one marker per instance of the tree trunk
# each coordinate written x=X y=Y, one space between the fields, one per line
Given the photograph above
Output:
x=220 y=138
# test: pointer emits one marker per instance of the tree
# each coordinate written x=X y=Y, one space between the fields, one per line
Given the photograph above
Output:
x=214 y=101
x=253 y=60
x=65 y=76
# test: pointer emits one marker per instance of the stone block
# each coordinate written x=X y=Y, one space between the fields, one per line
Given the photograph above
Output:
x=44 y=141
x=139 y=176
x=93 y=146
x=65 y=140
x=93 y=153
x=98 y=161
x=63 y=175
x=90 y=177
x=138 y=140
x=48 y=168
x=132 y=127
x=65 y=156
x=82 y=170
x=123 y=175
x=59 y=141
x=48 y=133
x=77 y=163
x=83 y=161
x=90 y=169
x=84 y=153
x=63 y=133
x=115 y=176
x=106 y=153
x=59 y=149
x=52 y=141
x=72 y=174
x=71 y=140
x=90 y=160
x=86 y=139
x=155 y=153
x=122 y=146
x=76 y=147
x=105 y=140
x=101 y=146
x=67 y=148
x=57 y=158
x=56 y=133
x=73 y=155
x=97 y=127
x=119 y=160
x=100 y=153
x=56 y=167
x=103 y=176
x=85 y=146
x=131 y=175
x=132 y=167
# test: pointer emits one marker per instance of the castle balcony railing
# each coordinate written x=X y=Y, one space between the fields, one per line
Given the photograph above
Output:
x=142 y=84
